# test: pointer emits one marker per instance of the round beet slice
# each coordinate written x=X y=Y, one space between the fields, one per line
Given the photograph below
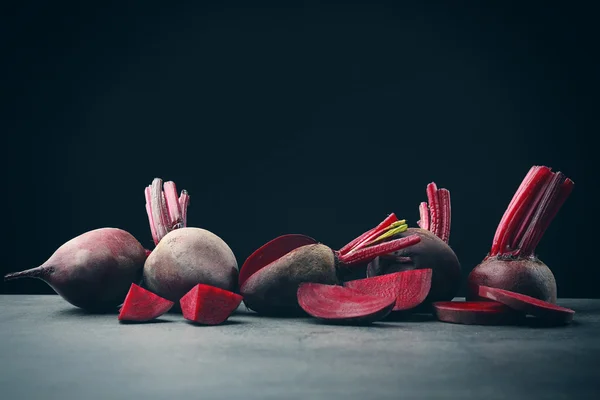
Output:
x=474 y=312
x=340 y=304
x=529 y=305
x=270 y=252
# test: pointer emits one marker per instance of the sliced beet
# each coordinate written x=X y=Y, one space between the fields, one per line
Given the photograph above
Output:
x=342 y=304
x=143 y=305
x=528 y=305
x=475 y=312
x=270 y=252
x=209 y=305
x=409 y=287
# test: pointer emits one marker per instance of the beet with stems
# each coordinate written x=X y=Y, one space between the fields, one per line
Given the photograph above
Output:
x=184 y=256
x=209 y=305
x=271 y=286
x=432 y=252
x=511 y=263
x=475 y=312
x=142 y=305
x=548 y=312
x=94 y=270
x=334 y=303
x=410 y=288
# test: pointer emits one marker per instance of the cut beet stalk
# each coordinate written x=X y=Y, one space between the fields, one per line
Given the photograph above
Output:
x=209 y=305
x=475 y=312
x=143 y=305
x=270 y=252
x=336 y=303
x=409 y=287
x=528 y=305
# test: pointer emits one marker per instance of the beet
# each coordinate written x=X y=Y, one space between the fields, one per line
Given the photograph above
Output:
x=209 y=305
x=409 y=287
x=94 y=270
x=272 y=288
x=184 y=256
x=341 y=304
x=431 y=252
x=511 y=263
x=529 y=305
x=142 y=305
x=475 y=312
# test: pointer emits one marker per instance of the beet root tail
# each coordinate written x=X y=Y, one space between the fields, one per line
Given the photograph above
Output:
x=37 y=272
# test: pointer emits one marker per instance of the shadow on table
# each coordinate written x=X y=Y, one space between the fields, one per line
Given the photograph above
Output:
x=227 y=322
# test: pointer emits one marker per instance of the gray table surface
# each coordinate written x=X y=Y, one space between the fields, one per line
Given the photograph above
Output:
x=51 y=350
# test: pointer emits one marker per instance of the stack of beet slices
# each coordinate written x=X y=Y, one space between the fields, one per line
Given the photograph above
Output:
x=501 y=307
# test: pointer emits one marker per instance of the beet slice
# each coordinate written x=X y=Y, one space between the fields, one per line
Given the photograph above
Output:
x=528 y=305
x=336 y=303
x=209 y=305
x=475 y=312
x=142 y=305
x=409 y=287
x=270 y=252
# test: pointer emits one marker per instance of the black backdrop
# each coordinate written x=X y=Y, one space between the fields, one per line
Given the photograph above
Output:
x=317 y=118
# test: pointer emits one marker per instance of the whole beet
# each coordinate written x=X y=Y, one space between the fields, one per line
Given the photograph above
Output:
x=94 y=270
x=431 y=252
x=185 y=257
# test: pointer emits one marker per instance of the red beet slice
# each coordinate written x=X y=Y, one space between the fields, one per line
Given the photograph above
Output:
x=270 y=252
x=528 y=305
x=474 y=312
x=341 y=304
x=409 y=287
x=209 y=305
x=143 y=305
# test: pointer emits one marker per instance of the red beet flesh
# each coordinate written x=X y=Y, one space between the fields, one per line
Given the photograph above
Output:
x=343 y=305
x=272 y=288
x=270 y=252
x=475 y=312
x=511 y=263
x=209 y=305
x=529 y=305
x=432 y=252
x=94 y=270
x=409 y=287
x=142 y=305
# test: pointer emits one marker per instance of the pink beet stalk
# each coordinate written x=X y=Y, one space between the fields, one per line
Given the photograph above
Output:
x=369 y=253
x=434 y=207
x=424 y=213
x=369 y=235
x=446 y=213
x=165 y=210
x=435 y=216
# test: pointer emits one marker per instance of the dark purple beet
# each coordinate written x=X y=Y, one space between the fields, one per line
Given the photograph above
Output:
x=94 y=270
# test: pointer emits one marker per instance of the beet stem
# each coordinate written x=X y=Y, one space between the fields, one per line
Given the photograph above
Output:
x=148 y=196
x=444 y=195
x=434 y=207
x=390 y=219
x=184 y=201
x=369 y=253
x=551 y=195
x=172 y=202
x=157 y=207
x=424 y=213
x=37 y=272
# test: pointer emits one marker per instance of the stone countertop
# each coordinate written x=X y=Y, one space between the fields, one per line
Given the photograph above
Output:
x=52 y=350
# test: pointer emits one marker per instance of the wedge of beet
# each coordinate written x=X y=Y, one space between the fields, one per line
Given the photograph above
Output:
x=209 y=305
x=475 y=312
x=270 y=284
x=270 y=252
x=341 y=304
x=409 y=287
x=142 y=305
x=529 y=305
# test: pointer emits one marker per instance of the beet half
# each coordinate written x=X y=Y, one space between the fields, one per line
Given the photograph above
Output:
x=431 y=252
x=511 y=263
x=184 y=256
x=410 y=288
x=548 y=312
x=475 y=312
x=141 y=305
x=270 y=277
x=94 y=270
x=339 y=304
x=209 y=305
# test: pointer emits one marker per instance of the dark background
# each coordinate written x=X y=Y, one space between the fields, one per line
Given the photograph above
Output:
x=318 y=118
